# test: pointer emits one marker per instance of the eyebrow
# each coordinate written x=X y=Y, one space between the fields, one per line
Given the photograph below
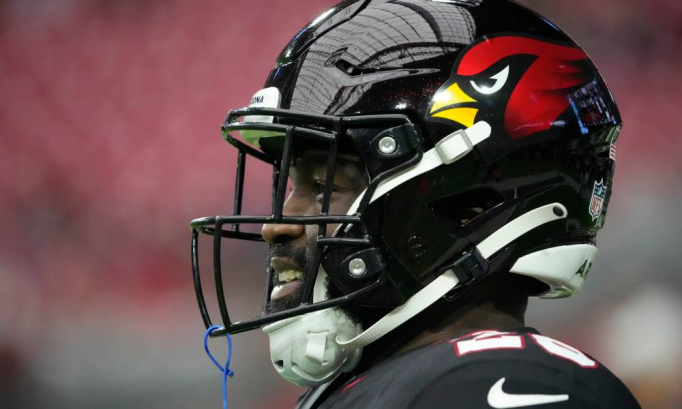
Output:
x=319 y=158
x=320 y=153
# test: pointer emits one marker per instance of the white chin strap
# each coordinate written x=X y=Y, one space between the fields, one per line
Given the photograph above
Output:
x=313 y=348
x=447 y=281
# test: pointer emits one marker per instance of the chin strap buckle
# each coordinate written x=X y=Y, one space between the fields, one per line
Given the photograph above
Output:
x=470 y=266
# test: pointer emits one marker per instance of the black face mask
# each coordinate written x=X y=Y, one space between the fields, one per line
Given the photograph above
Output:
x=330 y=131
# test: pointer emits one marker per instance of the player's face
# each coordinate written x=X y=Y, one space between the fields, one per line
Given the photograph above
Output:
x=293 y=246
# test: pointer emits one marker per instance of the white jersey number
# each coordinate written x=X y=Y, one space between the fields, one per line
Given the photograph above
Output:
x=492 y=340
x=558 y=348
x=489 y=340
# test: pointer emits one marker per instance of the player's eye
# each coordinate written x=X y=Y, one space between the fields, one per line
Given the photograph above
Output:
x=500 y=79
x=319 y=188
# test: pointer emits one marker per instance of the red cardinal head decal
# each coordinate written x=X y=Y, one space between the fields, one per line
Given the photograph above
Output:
x=520 y=82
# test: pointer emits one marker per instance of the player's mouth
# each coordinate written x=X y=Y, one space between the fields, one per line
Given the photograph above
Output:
x=289 y=277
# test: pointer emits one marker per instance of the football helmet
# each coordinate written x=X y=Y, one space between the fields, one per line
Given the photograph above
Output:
x=488 y=137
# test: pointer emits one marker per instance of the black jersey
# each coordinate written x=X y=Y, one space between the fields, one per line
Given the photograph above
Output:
x=484 y=369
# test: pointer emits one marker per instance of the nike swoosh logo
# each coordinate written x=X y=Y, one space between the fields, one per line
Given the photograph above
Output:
x=499 y=399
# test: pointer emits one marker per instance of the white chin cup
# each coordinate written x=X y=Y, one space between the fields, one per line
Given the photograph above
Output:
x=304 y=349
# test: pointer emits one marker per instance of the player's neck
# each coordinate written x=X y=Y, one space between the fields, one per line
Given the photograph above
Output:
x=491 y=306
x=480 y=317
x=436 y=329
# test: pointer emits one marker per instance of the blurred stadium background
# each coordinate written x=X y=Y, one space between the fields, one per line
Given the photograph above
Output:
x=110 y=144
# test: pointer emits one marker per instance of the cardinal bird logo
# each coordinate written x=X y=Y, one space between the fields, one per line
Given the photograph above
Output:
x=523 y=83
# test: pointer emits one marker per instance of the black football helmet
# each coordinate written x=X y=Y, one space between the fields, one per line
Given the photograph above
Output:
x=488 y=136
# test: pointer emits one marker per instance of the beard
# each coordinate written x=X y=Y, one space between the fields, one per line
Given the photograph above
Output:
x=363 y=316
x=304 y=257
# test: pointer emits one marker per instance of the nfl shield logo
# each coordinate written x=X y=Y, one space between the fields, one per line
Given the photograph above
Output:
x=597 y=202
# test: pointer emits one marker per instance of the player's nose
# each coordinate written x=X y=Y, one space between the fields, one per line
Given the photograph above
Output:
x=281 y=233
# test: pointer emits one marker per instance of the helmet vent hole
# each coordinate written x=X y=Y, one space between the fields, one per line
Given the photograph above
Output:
x=466 y=207
x=353 y=70
x=279 y=365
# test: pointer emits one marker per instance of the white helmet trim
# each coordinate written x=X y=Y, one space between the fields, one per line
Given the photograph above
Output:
x=562 y=268
x=264 y=98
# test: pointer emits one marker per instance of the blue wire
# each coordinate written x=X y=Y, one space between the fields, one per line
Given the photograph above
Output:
x=224 y=369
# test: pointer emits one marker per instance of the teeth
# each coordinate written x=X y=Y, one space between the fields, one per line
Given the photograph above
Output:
x=288 y=276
